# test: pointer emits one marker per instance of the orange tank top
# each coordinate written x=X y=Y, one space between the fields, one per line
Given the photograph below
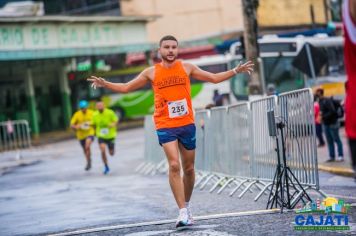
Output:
x=172 y=98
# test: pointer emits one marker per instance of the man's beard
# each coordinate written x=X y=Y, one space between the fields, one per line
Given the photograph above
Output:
x=165 y=58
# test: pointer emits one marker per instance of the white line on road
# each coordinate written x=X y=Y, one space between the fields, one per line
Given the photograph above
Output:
x=207 y=217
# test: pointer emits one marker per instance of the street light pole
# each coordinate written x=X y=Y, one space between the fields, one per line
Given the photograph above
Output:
x=251 y=45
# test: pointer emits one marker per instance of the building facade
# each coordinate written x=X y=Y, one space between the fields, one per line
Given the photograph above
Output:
x=187 y=20
x=36 y=54
x=293 y=13
x=191 y=20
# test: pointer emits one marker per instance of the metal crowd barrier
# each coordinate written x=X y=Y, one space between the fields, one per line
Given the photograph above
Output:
x=235 y=150
x=296 y=111
x=263 y=146
x=217 y=147
x=201 y=153
x=155 y=160
x=227 y=140
x=14 y=135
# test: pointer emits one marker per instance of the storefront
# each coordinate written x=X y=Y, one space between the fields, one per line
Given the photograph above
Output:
x=36 y=53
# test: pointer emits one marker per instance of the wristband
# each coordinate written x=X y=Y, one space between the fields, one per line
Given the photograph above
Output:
x=235 y=72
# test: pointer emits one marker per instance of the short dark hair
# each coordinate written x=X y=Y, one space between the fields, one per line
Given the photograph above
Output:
x=167 y=37
x=320 y=91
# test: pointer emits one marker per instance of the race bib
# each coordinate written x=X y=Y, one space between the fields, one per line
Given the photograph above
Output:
x=104 y=131
x=85 y=126
x=178 y=108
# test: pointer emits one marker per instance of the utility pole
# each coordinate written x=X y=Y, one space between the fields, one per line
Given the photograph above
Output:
x=251 y=46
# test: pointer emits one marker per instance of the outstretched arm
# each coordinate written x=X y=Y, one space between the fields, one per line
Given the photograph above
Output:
x=203 y=75
x=132 y=85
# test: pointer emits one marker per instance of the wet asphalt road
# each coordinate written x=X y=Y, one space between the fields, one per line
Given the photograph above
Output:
x=56 y=195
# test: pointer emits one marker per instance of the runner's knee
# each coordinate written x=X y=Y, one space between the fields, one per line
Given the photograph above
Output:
x=102 y=148
x=174 y=167
x=188 y=170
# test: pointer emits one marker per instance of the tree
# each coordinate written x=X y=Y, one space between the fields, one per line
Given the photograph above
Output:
x=251 y=45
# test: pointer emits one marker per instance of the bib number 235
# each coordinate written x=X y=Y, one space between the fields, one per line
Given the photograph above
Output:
x=177 y=108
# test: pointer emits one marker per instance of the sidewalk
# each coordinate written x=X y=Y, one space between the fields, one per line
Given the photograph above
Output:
x=339 y=168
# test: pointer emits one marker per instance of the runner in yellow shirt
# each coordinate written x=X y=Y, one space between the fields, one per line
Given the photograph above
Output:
x=105 y=122
x=81 y=122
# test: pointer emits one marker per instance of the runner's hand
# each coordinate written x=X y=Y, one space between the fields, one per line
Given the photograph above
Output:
x=75 y=127
x=247 y=67
x=96 y=82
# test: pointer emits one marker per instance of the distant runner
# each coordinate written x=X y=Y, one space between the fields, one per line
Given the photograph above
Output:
x=105 y=122
x=81 y=122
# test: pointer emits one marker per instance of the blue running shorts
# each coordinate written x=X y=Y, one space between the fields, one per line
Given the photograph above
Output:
x=184 y=134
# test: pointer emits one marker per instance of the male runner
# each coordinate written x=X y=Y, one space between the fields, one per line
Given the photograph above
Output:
x=173 y=115
x=81 y=123
x=105 y=122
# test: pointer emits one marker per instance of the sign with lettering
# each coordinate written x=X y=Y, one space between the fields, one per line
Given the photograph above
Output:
x=57 y=38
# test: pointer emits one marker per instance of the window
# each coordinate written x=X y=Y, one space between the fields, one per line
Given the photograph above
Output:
x=278 y=47
x=215 y=68
x=335 y=61
x=280 y=72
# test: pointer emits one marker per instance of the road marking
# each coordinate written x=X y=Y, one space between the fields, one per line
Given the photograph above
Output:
x=172 y=232
x=161 y=222
x=151 y=233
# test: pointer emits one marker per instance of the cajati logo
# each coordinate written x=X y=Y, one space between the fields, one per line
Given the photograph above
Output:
x=328 y=214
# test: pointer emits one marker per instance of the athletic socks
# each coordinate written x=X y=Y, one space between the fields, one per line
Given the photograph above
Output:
x=182 y=220
x=190 y=215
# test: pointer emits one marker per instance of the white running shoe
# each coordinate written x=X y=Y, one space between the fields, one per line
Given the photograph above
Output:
x=182 y=220
x=190 y=217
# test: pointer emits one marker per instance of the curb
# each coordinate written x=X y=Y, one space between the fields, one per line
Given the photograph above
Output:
x=337 y=170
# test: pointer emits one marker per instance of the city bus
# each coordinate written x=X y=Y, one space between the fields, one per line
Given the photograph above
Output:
x=277 y=55
x=140 y=103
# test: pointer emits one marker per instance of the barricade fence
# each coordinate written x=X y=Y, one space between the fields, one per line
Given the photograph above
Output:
x=297 y=112
x=14 y=135
x=236 y=151
x=155 y=161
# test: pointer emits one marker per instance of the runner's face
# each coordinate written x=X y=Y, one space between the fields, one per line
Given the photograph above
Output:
x=169 y=50
x=100 y=106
